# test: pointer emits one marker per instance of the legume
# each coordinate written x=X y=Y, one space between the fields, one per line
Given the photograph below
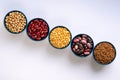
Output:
x=15 y=22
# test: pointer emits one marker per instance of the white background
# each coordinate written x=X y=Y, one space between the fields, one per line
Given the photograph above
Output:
x=24 y=59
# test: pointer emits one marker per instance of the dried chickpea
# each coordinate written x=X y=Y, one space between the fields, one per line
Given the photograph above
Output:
x=15 y=22
x=60 y=37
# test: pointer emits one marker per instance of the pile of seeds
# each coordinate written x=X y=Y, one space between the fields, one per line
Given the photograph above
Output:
x=60 y=37
x=15 y=21
x=82 y=45
x=37 y=29
x=104 y=53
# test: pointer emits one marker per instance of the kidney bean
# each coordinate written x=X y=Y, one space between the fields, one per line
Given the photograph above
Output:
x=76 y=46
x=76 y=40
x=89 y=45
x=83 y=41
x=86 y=53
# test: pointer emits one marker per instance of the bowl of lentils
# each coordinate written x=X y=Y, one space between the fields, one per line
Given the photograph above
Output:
x=104 y=53
x=60 y=37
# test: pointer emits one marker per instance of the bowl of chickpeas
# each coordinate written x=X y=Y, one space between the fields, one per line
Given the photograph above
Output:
x=15 y=21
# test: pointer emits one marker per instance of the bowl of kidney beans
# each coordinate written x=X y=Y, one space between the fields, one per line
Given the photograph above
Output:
x=82 y=45
x=37 y=29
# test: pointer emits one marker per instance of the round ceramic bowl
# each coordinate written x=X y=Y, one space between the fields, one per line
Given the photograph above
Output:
x=82 y=45
x=104 y=53
x=60 y=37
x=17 y=18
x=37 y=29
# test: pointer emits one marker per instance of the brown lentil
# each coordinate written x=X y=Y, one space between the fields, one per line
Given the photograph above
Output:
x=104 y=53
x=60 y=37
x=15 y=21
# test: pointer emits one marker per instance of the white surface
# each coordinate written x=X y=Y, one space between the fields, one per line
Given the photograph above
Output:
x=24 y=59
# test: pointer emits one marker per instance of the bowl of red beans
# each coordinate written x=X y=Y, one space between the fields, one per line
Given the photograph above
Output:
x=37 y=29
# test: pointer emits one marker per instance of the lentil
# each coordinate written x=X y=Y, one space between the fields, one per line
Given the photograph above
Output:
x=60 y=37
x=82 y=45
x=15 y=22
x=37 y=29
x=104 y=53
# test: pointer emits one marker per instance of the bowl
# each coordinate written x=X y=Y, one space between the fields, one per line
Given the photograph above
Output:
x=104 y=53
x=82 y=45
x=15 y=21
x=60 y=37
x=37 y=29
